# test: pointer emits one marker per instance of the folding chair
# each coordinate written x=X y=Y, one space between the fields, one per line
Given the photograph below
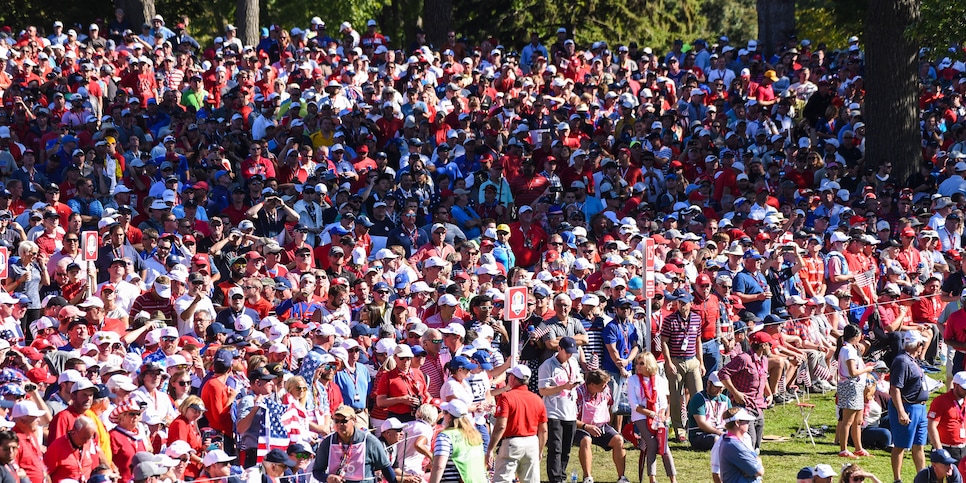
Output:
x=806 y=410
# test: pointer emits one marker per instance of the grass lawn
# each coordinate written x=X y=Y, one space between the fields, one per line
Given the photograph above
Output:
x=782 y=459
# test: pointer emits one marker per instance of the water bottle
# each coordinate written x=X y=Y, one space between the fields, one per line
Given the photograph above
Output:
x=573 y=476
x=942 y=354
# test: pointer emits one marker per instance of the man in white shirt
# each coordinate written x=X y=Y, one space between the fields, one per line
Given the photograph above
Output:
x=192 y=302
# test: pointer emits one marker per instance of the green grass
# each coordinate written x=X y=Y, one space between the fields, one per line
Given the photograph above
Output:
x=782 y=459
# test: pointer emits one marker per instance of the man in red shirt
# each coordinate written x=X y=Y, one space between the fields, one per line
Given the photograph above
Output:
x=527 y=239
x=25 y=415
x=521 y=420
x=925 y=312
x=74 y=455
x=955 y=334
x=763 y=92
x=404 y=388
x=947 y=421
x=218 y=398
x=81 y=397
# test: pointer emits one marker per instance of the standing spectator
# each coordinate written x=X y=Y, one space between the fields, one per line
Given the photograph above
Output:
x=647 y=395
x=621 y=343
x=458 y=453
x=746 y=379
x=947 y=428
x=520 y=419
x=557 y=378
x=681 y=346
x=336 y=449
x=907 y=408
x=218 y=397
x=751 y=287
x=739 y=462
x=851 y=390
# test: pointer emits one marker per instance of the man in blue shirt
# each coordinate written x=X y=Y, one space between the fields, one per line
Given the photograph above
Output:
x=751 y=287
x=621 y=346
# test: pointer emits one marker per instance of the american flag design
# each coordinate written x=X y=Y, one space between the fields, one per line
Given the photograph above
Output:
x=804 y=377
x=594 y=363
x=274 y=434
x=865 y=279
x=539 y=332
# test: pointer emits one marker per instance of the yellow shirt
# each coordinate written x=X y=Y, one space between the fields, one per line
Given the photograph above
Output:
x=103 y=438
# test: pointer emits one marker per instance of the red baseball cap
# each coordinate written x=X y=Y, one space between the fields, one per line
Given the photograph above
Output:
x=41 y=374
x=908 y=231
x=200 y=259
x=703 y=279
x=761 y=337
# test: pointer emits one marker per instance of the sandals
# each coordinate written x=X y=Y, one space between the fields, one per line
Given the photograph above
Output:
x=862 y=452
x=847 y=454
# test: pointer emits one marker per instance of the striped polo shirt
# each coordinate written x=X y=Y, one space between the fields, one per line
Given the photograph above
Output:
x=682 y=334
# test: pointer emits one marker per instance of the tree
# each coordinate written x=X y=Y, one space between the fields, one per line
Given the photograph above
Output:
x=437 y=19
x=891 y=107
x=246 y=19
x=776 y=21
x=137 y=12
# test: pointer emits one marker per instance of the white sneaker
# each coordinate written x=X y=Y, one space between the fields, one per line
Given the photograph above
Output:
x=623 y=479
x=589 y=479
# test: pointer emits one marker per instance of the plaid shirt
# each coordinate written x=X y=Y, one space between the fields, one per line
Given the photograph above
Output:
x=749 y=374
x=813 y=274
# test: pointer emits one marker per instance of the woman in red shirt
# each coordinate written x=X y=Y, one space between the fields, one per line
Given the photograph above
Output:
x=185 y=428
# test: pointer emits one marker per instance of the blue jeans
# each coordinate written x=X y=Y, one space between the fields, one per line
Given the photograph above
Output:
x=485 y=432
x=876 y=438
x=711 y=353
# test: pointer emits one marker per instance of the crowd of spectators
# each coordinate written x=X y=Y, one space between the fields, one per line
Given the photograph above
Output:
x=303 y=250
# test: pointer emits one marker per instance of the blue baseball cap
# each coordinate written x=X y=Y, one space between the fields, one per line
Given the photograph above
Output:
x=401 y=280
x=462 y=362
x=224 y=358
x=773 y=319
x=338 y=230
x=751 y=255
x=679 y=295
x=359 y=330
x=568 y=344
x=418 y=351
x=380 y=286
x=215 y=329
x=484 y=359
x=282 y=283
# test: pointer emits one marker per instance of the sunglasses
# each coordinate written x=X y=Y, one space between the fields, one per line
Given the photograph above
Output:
x=340 y=421
x=436 y=341
x=184 y=383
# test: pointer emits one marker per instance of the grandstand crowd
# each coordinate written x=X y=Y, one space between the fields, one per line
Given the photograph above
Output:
x=302 y=250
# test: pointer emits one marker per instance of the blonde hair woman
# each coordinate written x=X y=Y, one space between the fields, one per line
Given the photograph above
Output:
x=458 y=452
x=647 y=393
x=185 y=428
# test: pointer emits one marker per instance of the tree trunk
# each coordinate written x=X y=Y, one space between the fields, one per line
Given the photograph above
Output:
x=891 y=109
x=246 y=19
x=437 y=20
x=137 y=12
x=776 y=21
